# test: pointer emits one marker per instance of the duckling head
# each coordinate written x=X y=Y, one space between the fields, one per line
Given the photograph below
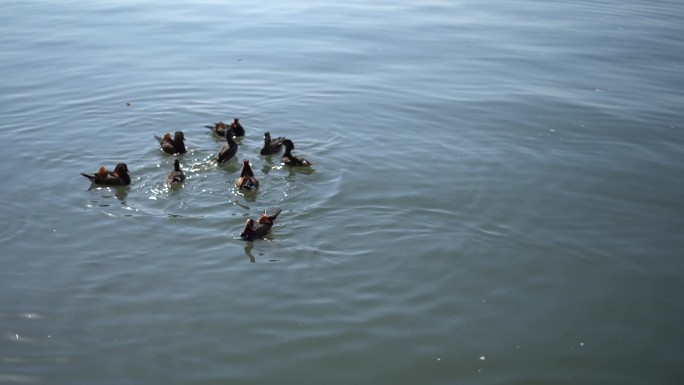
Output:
x=288 y=144
x=121 y=169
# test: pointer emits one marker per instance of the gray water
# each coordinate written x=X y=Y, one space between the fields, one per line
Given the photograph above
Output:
x=495 y=195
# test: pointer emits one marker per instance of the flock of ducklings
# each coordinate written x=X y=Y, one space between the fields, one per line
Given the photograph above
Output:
x=246 y=181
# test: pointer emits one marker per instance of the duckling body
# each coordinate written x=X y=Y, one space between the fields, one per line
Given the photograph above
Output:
x=172 y=146
x=246 y=181
x=219 y=128
x=175 y=177
x=290 y=160
x=228 y=150
x=118 y=177
x=271 y=146
x=260 y=228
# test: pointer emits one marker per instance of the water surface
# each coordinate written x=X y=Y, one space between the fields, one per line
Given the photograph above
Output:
x=494 y=199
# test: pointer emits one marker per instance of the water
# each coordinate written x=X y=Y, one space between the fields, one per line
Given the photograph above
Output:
x=495 y=196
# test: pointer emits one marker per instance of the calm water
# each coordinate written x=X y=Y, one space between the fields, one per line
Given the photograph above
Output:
x=496 y=195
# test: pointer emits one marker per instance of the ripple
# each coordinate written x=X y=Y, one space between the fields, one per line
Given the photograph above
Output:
x=19 y=223
x=18 y=379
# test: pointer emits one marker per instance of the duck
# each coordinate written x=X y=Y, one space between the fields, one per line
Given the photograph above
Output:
x=172 y=146
x=271 y=146
x=118 y=177
x=260 y=228
x=246 y=181
x=175 y=177
x=228 y=150
x=238 y=130
x=290 y=160
x=219 y=128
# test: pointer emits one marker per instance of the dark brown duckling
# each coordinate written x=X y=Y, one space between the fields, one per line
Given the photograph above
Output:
x=271 y=146
x=175 y=177
x=172 y=146
x=290 y=160
x=246 y=181
x=261 y=228
x=238 y=130
x=228 y=150
x=118 y=177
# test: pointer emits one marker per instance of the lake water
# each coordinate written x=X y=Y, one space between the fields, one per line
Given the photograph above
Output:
x=495 y=199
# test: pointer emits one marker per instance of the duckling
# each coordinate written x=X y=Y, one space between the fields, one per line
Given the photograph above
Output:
x=290 y=160
x=228 y=150
x=238 y=130
x=219 y=128
x=246 y=180
x=172 y=146
x=261 y=228
x=271 y=146
x=175 y=177
x=118 y=177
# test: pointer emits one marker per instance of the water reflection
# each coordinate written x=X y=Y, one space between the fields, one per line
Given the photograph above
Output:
x=268 y=166
x=248 y=251
x=248 y=196
x=232 y=165
x=121 y=193
x=292 y=170
x=173 y=188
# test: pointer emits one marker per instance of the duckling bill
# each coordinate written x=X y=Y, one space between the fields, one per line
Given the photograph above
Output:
x=118 y=177
x=260 y=228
